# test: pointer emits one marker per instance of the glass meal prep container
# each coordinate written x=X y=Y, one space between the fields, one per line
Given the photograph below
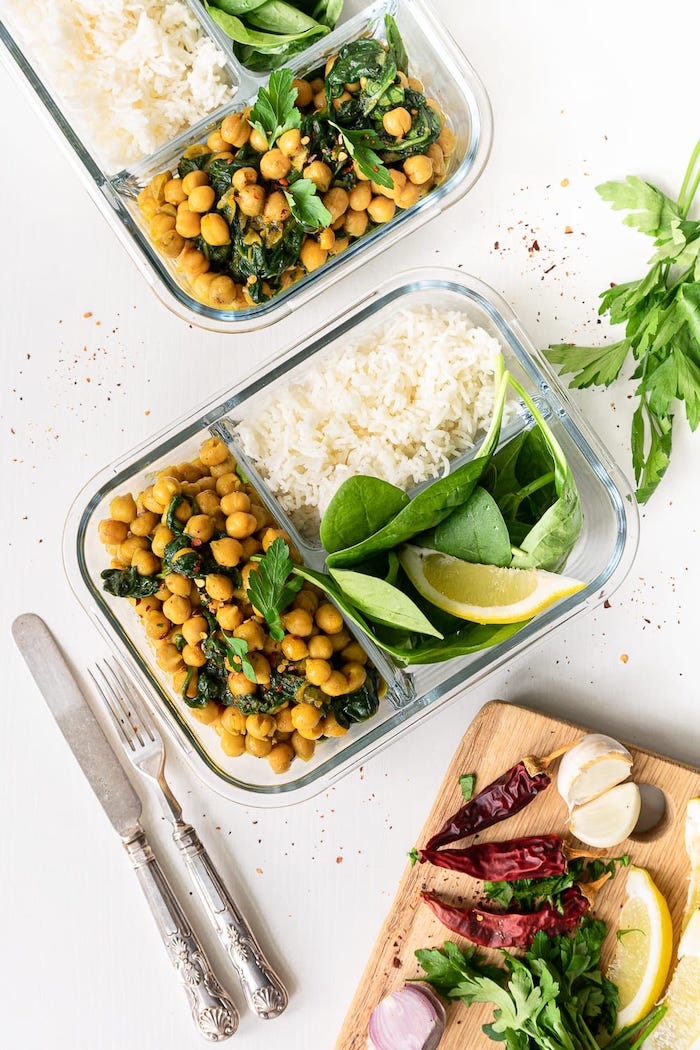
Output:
x=434 y=58
x=602 y=555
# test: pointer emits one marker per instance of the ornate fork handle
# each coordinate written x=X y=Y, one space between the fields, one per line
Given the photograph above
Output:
x=263 y=989
x=214 y=1014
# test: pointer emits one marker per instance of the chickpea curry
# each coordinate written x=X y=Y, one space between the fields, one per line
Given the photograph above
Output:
x=283 y=186
x=192 y=552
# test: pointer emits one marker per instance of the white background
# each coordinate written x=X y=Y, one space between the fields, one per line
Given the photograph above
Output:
x=584 y=92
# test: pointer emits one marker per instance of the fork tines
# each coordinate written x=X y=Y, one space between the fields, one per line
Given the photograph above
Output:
x=123 y=703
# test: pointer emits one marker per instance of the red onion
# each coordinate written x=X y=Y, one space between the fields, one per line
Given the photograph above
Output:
x=412 y=1018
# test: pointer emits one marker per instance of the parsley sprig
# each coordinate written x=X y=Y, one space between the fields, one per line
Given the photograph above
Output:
x=274 y=111
x=661 y=314
x=270 y=589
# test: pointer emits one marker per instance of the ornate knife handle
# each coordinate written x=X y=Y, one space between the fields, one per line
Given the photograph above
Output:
x=263 y=989
x=214 y=1014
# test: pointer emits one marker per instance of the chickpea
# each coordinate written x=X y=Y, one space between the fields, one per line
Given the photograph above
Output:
x=245 y=574
x=317 y=671
x=170 y=244
x=149 y=603
x=193 y=655
x=232 y=744
x=320 y=647
x=213 y=451
x=200 y=527
x=235 y=130
x=294 y=648
x=337 y=201
x=219 y=587
x=160 y=224
x=165 y=488
x=446 y=141
x=215 y=230
x=330 y=727
x=326 y=239
x=311 y=734
x=145 y=563
x=168 y=658
x=217 y=143
x=123 y=508
x=251 y=632
x=193 y=179
x=201 y=199
x=177 y=584
x=381 y=209
x=274 y=165
x=195 y=630
x=336 y=684
x=223 y=292
x=397 y=122
x=217 y=469
x=276 y=208
x=207 y=502
x=356 y=223
x=312 y=255
x=261 y=666
x=298 y=622
x=398 y=181
x=304 y=92
x=261 y=515
x=162 y=538
x=320 y=174
x=112 y=532
x=283 y=717
x=280 y=757
x=173 y=191
x=303 y=749
x=341 y=243
x=359 y=174
x=177 y=608
x=328 y=619
x=179 y=679
x=244 y=177
x=260 y=726
x=227 y=552
x=438 y=158
x=419 y=169
x=144 y=524
x=147 y=206
x=306 y=599
x=344 y=96
x=355 y=674
x=188 y=223
x=240 y=524
x=305 y=716
x=257 y=747
x=235 y=501
x=251 y=200
x=409 y=195
x=320 y=99
x=192 y=262
x=258 y=141
x=340 y=640
x=360 y=196
x=227 y=483
x=415 y=84
x=354 y=653
x=289 y=143
x=155 y=624
x=240 y=685
x=250 y=546
x=206 y=714
x=128 y=548
x=229 y=617
x=233 y=720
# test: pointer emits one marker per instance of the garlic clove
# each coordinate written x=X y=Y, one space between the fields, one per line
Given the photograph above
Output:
x=608 y=819
x=593 y=766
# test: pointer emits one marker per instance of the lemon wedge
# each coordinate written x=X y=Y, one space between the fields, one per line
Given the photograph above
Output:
x=483 y=593
x=692 y=845
x=679 y=1028
x=643 y=955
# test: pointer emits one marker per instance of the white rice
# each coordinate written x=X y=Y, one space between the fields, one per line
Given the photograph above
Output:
x=131 y=74
x=400 y=404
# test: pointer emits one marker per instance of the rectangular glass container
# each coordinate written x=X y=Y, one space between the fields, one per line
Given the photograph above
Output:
x=602 y=555
x=434 y=58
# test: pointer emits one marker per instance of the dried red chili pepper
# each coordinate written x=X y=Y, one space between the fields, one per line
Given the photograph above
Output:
x=507 y=795
x=532 y=856
x=510 y=929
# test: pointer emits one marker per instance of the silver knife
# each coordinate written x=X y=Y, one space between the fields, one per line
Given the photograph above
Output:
x=214 y=1014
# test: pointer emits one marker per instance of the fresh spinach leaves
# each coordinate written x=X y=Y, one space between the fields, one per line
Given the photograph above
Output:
x=474 y=532
x=382 y=603
x=358 y=509
x=129 y=583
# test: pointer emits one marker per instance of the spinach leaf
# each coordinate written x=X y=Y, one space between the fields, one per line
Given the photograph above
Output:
x=197 y=162
x=359 y=508
x=434 y=503
x=425 y=127
x=258 y=49
x=128 y=583
x=189 y=564
x=475 y=532
x=471 y=638
x=367 y=61
x=359 y=705
x=395 y=42
x=170 y=520
x=382 y=603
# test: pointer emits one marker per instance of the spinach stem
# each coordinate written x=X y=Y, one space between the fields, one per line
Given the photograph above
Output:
x=556 y=449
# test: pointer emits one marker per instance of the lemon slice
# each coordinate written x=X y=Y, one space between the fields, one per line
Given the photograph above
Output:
x=692 y=844
x=679 y=1028
x=483 y=593
x=643 y=954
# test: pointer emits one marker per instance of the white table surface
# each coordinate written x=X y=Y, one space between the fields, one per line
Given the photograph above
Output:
x=580 y=92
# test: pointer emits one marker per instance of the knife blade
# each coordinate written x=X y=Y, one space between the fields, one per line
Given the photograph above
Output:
x=214 y=1014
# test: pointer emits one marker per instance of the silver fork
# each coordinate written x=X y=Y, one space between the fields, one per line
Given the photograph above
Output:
x=264 y=991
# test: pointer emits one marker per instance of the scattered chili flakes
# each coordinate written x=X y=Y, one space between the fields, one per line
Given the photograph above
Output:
x=259 y=871
x=88 y=314
x=147 y=412
x=339 y=860
x=624 y=658
x=567 y=229
x=606 y=604
x=564 y=182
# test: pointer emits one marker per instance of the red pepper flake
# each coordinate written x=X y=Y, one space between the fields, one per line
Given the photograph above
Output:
x=147 y=412
x=606 y=604
x=339 y=860
x=567 y=229
x=564 y=182
x=624 y=658
x=259 y=871
x=88 y=314
x=535 y=247
x=496 y=246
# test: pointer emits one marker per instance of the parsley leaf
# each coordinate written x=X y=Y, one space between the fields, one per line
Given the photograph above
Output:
x=274 y=111
x=661 y=314
x=361 y=146
x=467 y=783
x=270 y=590
x=306 y=206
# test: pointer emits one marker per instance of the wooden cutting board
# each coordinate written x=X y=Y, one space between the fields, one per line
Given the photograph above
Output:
x=497 y=738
